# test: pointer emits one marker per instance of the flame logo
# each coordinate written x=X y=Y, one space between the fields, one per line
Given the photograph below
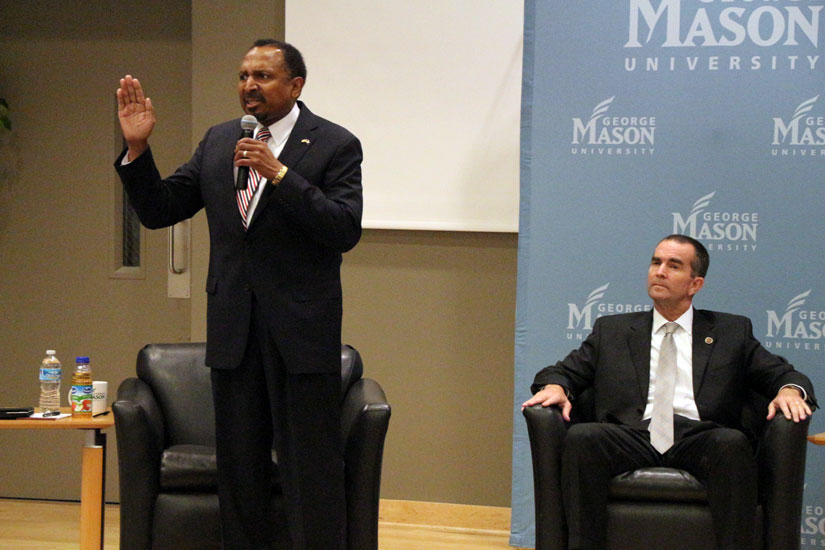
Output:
x=700 y=204
x=804 y=108
x=797 y=302
x=601 y=109
x=595 y=296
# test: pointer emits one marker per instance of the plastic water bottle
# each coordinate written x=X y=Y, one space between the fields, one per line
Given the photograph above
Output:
x=50 y=374
x=81 y=392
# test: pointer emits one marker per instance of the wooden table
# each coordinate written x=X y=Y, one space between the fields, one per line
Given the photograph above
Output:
x=817 y=439
x=93 y=479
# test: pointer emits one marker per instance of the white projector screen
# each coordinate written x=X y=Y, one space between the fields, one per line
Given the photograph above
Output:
x=432 y=89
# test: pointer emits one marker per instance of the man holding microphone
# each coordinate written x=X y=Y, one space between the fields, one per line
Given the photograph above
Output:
x=274 y=289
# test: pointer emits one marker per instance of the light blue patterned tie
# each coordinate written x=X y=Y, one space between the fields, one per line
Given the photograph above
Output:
x=661 y=420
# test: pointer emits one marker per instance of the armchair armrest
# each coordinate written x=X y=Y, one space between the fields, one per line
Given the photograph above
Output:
x=139 y=427
x=137 y=391
x=781 y=461
x=546 y=428
x=365 y=417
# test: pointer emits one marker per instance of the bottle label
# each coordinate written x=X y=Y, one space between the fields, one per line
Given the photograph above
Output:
x=81 y=398
x=50 y=374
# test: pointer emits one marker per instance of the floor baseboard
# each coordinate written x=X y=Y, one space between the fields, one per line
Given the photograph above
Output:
x=439 y=514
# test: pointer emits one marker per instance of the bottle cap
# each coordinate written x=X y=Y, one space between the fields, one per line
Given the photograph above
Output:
x=50 y=352
x=82 y=359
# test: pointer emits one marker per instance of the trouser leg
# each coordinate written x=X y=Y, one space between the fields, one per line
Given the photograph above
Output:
x=307 y=424
x=259 y=406
x=306 y=421
x=243 y=447
x=593 y=454
x=723 y=460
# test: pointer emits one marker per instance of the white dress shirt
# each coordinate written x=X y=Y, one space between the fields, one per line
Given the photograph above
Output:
x=684 y=403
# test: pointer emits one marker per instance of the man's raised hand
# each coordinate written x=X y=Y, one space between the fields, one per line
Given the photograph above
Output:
x=136 y=114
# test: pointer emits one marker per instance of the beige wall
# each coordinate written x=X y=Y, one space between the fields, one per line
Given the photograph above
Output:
x=432 y=313
x=59 y=67
x=433 y=316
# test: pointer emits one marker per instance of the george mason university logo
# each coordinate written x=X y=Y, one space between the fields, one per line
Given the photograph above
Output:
x=580 y=319
x=602 y=134
x=801 y=135
x=583 y=318
x=674 y=34
x=797 y=323
x=697 y=24
x=721 y=231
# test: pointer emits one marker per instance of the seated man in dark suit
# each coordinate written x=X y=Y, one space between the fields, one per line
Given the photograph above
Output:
x=669 y=389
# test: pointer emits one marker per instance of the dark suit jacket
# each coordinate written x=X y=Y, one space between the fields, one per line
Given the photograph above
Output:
x=289 y=259
x=727 y=362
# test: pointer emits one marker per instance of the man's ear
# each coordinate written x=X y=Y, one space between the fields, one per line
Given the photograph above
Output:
x=696 y=285
x=297 y=86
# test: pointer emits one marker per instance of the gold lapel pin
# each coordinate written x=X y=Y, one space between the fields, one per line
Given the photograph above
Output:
x=708 y=340
x=305 y=140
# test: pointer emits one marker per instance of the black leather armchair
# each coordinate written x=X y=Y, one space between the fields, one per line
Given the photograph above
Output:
x=666 y=507
x=166 y=457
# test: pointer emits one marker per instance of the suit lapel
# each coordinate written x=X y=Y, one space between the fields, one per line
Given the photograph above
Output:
x=300 y=139
x=298 y=143
x=639 y=343
x=703 y=342
x=227 y=164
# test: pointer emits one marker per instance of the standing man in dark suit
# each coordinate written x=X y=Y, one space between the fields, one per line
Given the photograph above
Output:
x=274 y=290
x=711 y=362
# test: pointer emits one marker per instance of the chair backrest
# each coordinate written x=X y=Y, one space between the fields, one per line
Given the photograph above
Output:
x=182 y=386
x=352 y=368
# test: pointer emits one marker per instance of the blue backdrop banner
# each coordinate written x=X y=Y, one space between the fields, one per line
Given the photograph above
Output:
x=642 y=118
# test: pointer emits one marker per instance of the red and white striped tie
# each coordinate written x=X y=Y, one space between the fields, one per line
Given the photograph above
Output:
x=245 y=195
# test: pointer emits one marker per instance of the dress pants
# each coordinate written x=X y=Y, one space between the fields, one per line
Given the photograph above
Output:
x=259 y=407
x=721 y=458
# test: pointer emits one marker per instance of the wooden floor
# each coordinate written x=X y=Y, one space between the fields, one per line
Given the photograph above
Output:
x=40 y=525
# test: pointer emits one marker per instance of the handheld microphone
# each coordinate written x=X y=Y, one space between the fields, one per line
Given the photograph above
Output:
x=248 y=123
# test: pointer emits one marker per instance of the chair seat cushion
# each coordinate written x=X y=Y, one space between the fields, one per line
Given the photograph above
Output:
x=194 y=468
x=657 y=484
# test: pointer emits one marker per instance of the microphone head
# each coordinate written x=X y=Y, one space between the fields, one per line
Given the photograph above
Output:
x=249 y=122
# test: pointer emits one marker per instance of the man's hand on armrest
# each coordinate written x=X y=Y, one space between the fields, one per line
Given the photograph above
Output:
x=551 y=394
x=791 y=402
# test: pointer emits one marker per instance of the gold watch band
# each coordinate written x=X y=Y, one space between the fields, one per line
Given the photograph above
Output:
x=280 y=175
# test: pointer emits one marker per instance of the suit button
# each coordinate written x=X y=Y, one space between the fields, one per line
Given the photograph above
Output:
x=246 y=288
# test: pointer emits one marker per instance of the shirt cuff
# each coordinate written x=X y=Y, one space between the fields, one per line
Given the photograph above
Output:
x=125 y=160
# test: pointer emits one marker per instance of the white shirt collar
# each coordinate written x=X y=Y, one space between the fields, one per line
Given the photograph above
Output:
x=685 y=321
x=280 y=129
